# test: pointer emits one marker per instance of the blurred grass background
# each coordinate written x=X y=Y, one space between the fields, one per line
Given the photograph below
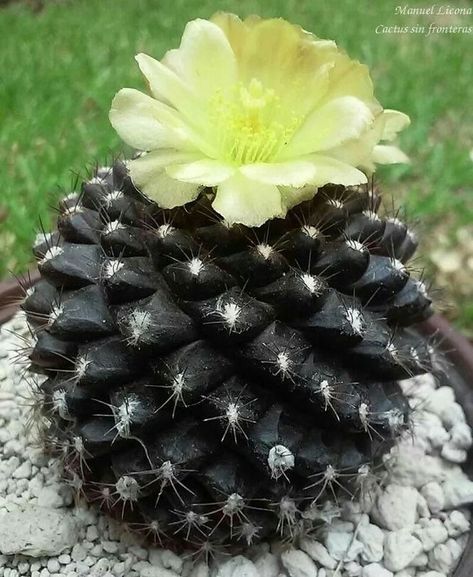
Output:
x=61 y=62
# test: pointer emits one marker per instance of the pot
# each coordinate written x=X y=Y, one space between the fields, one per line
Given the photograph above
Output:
x=455 y=346
x=459 y=352
x=12 y=292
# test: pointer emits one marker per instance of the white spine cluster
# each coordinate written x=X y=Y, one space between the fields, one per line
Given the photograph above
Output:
x=112 y=196
x=335 y=203
x=283 y=362
x=111 y=267
x=312 y=284
x=51 y=253
x=233 y=505
x=371 y=215
x=124 y=416
x=195 y=266
x=139 y=322
x=55 y=313
x=398 y=266
x=113 y=226
x=310 y=231
x=355 y=319
x=265 y=250
x=59 y=403
x=280 y=460
x=229 y=313
x=164 y=230
x=80 y=367
x=356 y=245
x=128 y=489
x=72 y=209
x=396 y=222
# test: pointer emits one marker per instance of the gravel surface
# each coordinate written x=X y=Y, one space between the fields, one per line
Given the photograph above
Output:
x=411 y=519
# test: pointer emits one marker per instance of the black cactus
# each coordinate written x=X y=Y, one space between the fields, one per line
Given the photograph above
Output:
x=211 y=383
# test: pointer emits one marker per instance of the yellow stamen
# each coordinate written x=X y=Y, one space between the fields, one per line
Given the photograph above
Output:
x=251 y=124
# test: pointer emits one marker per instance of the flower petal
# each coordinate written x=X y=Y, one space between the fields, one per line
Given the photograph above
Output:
x=146 y=123
x=234 y=29
x=149 y=175
x=292 y=196
x=241 y=200
x=294 y=173
x=358 y=151
x=165 y=85
x=206 y=172
x=394 y=122
x=351 y=78
x=384 y=154
x=332 y=171
x=284 y=58
x=205 y=60
x=330 y=125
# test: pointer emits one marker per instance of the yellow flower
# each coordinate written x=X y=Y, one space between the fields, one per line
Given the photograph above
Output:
x=261 y=110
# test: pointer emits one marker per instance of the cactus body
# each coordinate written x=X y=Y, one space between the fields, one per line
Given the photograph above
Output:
x=213 y=383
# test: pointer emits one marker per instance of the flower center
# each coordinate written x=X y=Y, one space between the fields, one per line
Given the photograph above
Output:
x=251 y=124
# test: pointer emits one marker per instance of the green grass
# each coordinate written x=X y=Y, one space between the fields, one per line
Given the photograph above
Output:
x=59 y=69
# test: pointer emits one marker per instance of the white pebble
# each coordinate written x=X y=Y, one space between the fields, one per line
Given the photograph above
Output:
x=78 y=552
x=453 y=454
x=375 y=570
x=420 y=561
x=410 y=466
x=458 y=492
x=455 y=550
x=456 y=524
x=92 y=533
x=110 y=546
x=172 y=561
x=318 y=553
x=372 y=538
x=267 y=565
x=37 y=531
x=460 y=436
x=150 y=571
x=202 y=570
x=441 y=559
x=342 y=546
x=51 y=497
x=423 y=510
x=400 y=549
x=428 y=430
x=433 y=494
x=53 y=565
x=100 y=568
x=396 y=507
x=64 y=559
x=353 y=569
x=297 y=564
x=430 y=532
x=23 y=471
x=139 y=552
x=154 y=557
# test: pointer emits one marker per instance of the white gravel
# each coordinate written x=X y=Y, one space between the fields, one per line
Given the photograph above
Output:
x=412 y=523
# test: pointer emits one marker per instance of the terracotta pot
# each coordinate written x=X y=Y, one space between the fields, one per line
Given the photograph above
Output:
x=11 y=293
x=456 y=347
